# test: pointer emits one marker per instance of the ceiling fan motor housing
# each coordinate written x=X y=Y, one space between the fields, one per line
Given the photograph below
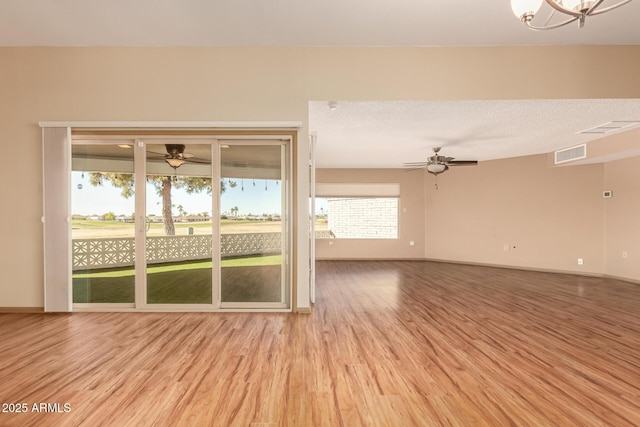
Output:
x=175 y=150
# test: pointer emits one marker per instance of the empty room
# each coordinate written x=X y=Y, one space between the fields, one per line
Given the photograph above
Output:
x=332 y=214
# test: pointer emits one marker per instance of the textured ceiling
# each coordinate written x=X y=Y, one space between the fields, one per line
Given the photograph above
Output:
x=295 y=23
x=390 y=133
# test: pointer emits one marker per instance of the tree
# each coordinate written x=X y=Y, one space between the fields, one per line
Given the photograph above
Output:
x=162 y=185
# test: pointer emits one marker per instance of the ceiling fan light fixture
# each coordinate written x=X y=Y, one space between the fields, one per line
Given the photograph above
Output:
x=175 y=162
x=436 y=168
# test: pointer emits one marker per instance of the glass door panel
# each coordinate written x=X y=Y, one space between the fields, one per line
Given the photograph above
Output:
x=253 y=237
x=102 y=223
x=179 y=223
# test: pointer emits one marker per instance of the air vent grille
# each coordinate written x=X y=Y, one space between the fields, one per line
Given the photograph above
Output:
x=570 y=154
x=612 y=127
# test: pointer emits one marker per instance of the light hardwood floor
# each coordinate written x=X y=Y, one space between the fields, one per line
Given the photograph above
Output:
x=388 y=344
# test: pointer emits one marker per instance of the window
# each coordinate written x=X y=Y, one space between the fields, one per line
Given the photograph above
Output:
x=357 y=217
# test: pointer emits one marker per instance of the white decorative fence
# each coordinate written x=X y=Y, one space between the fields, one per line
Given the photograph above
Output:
x=102 y=253
x=119 y=252
x=324 y=234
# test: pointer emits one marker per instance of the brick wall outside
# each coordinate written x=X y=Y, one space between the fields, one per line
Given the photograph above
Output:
x=363 y=218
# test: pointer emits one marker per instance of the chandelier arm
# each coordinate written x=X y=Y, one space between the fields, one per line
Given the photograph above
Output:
x=551 y=27
x=593 y=7
x=607 y=9
x=564 y=10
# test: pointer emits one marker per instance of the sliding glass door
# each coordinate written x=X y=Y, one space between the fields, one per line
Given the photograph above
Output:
x=253 y=225
x=151 y=231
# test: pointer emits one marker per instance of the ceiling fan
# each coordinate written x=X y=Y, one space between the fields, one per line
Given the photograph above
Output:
x=437 y=164
x=176 y=157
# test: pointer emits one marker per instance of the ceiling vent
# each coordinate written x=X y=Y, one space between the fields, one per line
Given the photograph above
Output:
x=611 y=127
x=571 y=154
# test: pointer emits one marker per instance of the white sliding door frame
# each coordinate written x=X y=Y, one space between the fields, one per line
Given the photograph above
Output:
x=124 y=166
x=313 y=138
x=141 y=283
x=286 y=174
x=57 y=166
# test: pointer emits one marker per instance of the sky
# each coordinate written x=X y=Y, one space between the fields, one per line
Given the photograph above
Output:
x=254 y=199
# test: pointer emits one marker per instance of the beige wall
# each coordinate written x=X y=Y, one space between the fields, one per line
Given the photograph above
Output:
x=188 y=84
x=124 y=84
x=410 y=217
x=549 y=217
x=622 y=218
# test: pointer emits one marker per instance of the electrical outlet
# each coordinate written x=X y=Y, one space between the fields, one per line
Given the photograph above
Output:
x=412 y=243
x=580 y=261
x=506 y=247
x=625 y=254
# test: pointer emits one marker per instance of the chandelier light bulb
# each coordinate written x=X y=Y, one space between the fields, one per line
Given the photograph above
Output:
x=523 y=8
x=573 y=10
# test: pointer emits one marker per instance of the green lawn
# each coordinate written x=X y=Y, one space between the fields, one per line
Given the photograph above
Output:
x=88 y=223
x=183 y=286
x=187 y=282
x=186 y=265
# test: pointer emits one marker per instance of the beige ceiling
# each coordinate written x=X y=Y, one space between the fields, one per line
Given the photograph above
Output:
x=295 y=23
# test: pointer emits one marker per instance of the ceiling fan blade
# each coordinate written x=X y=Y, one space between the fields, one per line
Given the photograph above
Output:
x=413 y=168
x=187 y=155
x=462 y=163
x=158 y=157
x=411 y=164
x=199 y=161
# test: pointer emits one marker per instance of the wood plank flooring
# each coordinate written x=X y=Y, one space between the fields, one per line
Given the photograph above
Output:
x=388 y=344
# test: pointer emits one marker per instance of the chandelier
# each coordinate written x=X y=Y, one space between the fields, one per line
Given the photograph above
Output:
x=578 y=10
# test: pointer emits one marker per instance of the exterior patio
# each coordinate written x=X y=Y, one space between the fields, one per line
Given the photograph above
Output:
x=179 y=269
